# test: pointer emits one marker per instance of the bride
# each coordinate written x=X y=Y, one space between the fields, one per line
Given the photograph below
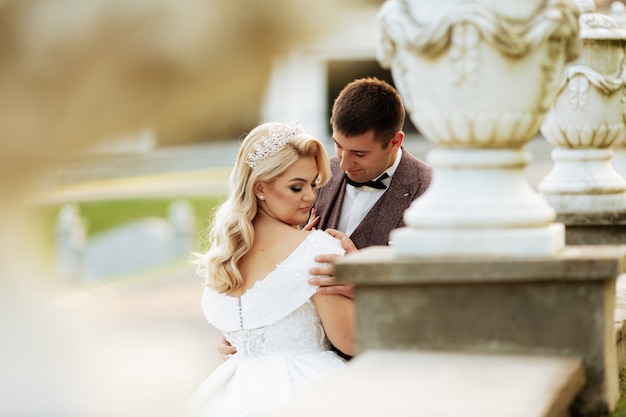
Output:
x=256 y=273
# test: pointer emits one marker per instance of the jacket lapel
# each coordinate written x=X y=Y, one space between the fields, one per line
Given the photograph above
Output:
x=410 y=180
x=387 y=213
x=330 y=198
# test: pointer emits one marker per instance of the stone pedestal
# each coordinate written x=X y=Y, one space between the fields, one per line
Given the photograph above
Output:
x=545 y=305
x=607 y=228
x=584 y=181
x=479 y=203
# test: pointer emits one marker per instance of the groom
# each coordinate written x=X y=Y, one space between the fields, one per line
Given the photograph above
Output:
x=374 y=178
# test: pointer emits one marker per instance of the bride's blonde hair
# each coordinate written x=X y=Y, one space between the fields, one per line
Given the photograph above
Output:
x=266 y=152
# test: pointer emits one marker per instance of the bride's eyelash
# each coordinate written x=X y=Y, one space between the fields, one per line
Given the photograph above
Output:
x=298 y=189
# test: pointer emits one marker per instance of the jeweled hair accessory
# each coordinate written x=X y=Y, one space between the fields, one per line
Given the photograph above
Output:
x=275 y=140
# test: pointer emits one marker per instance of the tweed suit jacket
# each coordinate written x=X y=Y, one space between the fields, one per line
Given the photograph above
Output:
x=410 y=180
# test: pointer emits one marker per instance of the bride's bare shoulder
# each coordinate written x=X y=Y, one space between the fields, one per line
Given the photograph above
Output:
x=282 y=238
x=294 y=237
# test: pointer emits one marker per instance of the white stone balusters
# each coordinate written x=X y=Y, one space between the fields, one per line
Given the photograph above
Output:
x=182 y=216
x=586 y=119
x=71 y=237
x=618 y=13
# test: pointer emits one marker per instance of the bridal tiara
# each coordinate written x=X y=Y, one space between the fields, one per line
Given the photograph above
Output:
x=273 y=141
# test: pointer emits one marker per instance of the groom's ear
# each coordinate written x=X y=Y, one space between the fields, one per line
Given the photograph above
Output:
x=397 y=140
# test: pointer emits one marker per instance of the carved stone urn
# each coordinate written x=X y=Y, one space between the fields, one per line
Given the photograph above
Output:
x=586 y=119
x=477 y=78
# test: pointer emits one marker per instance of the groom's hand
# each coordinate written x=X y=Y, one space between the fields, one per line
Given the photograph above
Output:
x=324 y=275
x=225 y=349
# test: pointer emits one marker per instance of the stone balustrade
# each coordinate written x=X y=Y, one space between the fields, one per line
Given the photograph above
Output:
x=135 y=247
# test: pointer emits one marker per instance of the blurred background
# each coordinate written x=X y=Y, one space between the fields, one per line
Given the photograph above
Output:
x=119 y=122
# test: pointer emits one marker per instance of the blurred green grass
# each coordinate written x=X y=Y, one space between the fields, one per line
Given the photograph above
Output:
x=100 y=216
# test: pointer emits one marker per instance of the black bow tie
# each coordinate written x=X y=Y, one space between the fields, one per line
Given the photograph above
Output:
x=378 y=184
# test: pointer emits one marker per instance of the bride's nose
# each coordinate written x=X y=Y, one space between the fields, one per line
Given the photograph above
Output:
x=309 y=194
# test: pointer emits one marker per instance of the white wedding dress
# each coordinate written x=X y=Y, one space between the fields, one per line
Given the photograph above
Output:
x=281 y=345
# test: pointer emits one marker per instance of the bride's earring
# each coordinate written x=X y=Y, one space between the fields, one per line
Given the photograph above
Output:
x=261 y=197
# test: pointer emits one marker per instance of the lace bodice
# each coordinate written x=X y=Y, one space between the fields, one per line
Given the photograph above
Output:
x=299 y=332
x=276 y=314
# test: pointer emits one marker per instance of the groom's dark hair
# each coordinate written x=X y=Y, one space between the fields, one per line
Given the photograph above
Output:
x=368 y=104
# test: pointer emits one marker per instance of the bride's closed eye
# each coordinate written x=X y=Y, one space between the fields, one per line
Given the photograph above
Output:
x=298 y=188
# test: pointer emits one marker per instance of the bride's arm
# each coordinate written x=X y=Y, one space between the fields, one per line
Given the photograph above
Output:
x=338 y=318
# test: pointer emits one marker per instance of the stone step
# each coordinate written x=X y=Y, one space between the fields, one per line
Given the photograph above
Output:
x=443 y=384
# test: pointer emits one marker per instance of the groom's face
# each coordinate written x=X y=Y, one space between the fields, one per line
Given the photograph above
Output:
x=363 y=158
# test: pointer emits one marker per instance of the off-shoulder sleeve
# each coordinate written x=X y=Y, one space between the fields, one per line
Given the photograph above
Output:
x=220 y=310
x=287 y=288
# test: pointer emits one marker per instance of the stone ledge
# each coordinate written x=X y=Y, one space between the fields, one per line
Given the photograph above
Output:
x=592 y=219
x=580 y=262
x=427 y=383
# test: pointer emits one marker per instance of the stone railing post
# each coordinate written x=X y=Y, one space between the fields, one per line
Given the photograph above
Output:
x=586 y=124
x=71 y=238
x=181 y=216
x=477 y=79
x=618 y=13
x=586 y=119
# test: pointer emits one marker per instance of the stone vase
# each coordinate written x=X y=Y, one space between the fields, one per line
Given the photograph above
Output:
x=618 y=13
x=586 y=119
x=477 y=78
